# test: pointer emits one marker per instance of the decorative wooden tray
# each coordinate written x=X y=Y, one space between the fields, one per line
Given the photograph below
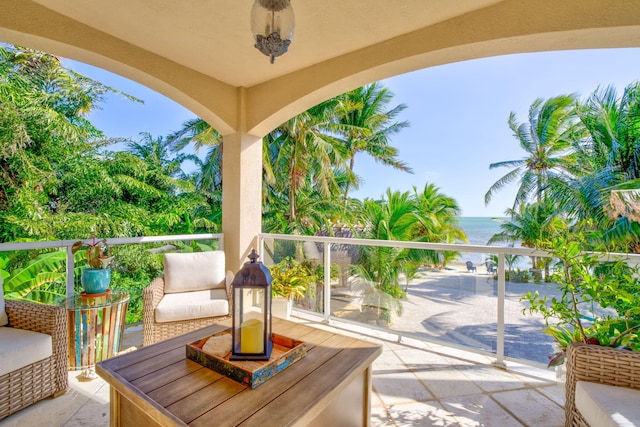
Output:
x=284 y=353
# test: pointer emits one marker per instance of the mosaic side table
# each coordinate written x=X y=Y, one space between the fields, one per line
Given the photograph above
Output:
x=96 y=325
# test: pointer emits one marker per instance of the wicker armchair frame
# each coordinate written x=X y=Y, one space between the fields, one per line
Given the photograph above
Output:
x=47 y=377
x=153 y=331
x=604 y=365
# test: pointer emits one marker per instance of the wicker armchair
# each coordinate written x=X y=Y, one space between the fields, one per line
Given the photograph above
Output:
x=154 y=331
x=604 y=365
x=45 y=378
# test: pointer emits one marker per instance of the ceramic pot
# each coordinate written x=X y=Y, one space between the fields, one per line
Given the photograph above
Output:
x=281 y=307
x=95 y=280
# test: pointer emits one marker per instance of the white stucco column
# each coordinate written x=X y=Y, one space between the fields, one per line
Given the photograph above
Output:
x=241 y=196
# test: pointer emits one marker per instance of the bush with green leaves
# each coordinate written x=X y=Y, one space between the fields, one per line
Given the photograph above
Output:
x=133 y=269
x=600 y=300
x=40 y=277
x=291 y=279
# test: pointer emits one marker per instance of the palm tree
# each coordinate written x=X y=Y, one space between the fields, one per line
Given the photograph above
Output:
x=547 y=139
x=532 y=225
x=438 y=215
x=607 y=159
x=426 y=216
x=367 y=126
x=612 y=124
x=302 y=152
x=201 y=135
x=393 y=218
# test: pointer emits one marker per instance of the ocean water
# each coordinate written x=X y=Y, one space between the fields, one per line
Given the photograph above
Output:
x=479 y=230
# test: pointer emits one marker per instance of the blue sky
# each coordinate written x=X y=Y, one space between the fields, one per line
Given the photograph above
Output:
x=458 y=115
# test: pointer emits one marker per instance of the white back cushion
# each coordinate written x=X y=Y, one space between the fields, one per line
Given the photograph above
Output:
x=3 y=314
x=195 y=271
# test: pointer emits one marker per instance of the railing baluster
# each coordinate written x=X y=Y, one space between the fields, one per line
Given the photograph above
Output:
x=500 y=321
x=70 y=272
x=327 y=281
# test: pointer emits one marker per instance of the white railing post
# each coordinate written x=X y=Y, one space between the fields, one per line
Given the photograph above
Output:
x=70 y=272
x=327 y=281
x=500 y=321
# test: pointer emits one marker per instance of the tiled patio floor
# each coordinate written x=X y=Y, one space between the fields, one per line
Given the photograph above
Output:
x=415 y=384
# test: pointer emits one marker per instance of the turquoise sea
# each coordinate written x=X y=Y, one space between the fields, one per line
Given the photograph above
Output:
x=479 y=230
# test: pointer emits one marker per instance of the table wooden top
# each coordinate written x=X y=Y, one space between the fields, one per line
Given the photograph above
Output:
x=174 y=390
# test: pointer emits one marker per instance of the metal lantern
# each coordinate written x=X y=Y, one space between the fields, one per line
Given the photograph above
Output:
x=251 y=330
x=272 y=25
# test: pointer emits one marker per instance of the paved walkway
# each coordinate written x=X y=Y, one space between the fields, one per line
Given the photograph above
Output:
x=457 y=307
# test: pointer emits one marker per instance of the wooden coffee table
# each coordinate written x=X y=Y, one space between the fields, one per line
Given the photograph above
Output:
x=158 y=386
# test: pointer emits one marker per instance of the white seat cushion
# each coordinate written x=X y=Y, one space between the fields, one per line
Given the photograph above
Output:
x=195 y=271
x=605 y=405
x=192 y=305
x=19 y=348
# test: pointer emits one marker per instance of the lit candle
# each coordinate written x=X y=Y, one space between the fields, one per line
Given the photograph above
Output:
x=251 y=336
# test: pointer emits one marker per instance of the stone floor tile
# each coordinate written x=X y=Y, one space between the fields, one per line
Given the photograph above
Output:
x=429 y=413
x=446 y=382
x=387 y=362
x=380 y=417
x=531 y=407
x=478 y=410
x=554 y=392
x=400 y=387
x=490 y=378
x=419 y=357
x=533 y=376
x=469 y=357
x=95 y=413
x=48 y=412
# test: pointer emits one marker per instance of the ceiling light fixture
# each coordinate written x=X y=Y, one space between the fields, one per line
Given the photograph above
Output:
x=272 y=25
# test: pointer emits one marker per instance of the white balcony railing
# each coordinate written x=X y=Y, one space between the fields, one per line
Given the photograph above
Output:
x=53 y=244
x=484 y=295
x=495 y=299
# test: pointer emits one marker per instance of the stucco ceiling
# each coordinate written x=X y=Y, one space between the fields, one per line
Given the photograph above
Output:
x=213 y=37
x=200 y=52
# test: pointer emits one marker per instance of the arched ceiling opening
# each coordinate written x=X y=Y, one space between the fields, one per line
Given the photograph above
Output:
x=201 y=54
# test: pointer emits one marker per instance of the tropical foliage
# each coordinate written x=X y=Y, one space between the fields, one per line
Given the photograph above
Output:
x=423 y=216
x=599 y=304
x=291 y=279
x=577 y=154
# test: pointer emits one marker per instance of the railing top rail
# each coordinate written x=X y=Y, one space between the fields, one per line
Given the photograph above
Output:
x=459 y=247
x=16 y=246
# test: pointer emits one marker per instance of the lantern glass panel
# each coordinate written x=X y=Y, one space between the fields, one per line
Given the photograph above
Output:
x=252 y=324
x=252 y=337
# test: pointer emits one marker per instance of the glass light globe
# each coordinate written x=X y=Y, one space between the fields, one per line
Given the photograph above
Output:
x=272 y=25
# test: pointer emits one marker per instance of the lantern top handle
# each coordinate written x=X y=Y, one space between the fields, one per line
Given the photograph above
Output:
x=253 y=256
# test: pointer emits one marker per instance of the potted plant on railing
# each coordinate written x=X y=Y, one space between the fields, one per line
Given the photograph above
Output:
x=291 y=279
x=599 y=304
x=96 y=278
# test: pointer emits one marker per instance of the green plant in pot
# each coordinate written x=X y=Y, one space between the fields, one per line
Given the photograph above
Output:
x=599 y=303
x=291 y=279
x=96 y=278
